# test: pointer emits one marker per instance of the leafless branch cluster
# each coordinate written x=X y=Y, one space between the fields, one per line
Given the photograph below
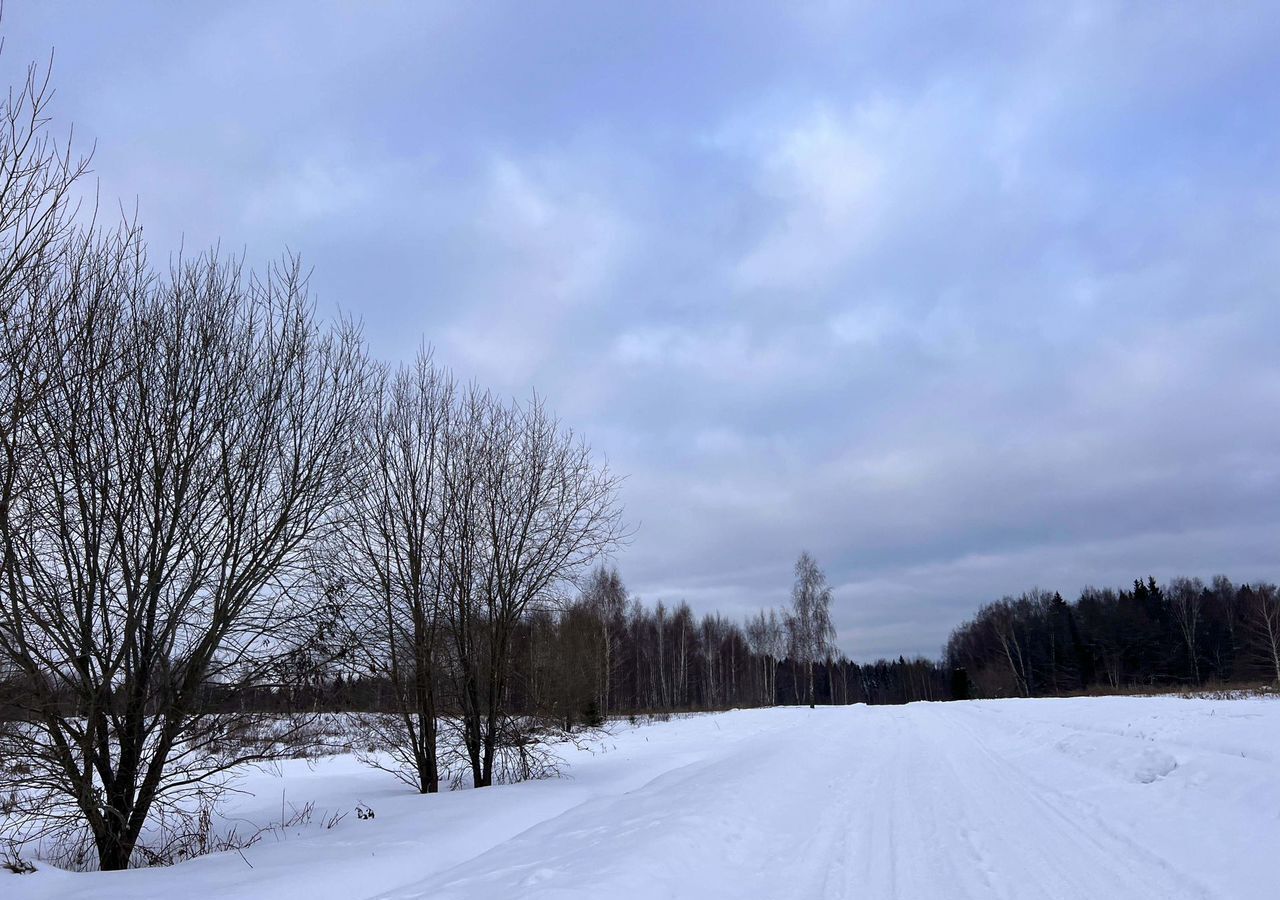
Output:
x=209 y=500
x=471 y=513
x=183 y=446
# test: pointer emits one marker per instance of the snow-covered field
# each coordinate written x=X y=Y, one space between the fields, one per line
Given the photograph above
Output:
x=1087 y=798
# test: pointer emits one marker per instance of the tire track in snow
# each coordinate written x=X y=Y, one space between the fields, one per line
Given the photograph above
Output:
x=1105 y=858
x=882 y=803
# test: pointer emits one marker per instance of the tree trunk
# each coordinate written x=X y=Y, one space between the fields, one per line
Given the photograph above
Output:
x=114 y=851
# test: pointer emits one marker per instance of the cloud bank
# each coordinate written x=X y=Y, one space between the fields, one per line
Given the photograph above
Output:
x=961 y=300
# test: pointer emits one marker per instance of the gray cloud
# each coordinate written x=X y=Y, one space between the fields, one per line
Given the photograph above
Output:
x=962 y=301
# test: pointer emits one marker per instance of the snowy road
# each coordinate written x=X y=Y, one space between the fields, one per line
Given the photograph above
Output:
x=1100 y=798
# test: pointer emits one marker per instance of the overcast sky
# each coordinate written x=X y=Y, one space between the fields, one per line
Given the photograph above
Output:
x=962 y=298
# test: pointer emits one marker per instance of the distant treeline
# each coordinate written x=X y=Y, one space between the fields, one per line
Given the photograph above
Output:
x=605 y=653
x=608 y=654
x=1182 y=633
x=592 y=661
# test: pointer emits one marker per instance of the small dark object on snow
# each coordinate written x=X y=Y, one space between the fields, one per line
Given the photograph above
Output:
x=17 y=865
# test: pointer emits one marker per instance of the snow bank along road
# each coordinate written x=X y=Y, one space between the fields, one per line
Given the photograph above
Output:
x=1088 y=798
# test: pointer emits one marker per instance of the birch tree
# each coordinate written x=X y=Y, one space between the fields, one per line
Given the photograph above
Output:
x=1186 y=602
x=811 y=634
x=1264 y=621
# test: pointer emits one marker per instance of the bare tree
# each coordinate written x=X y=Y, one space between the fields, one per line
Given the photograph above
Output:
x=811 y=634
x=1186 y=600
x=756 y=630
x=1007 y=618
x=1264 y=621
x=767 y=639
x=606 y=596
x=391 y=562
x=528 y=509
x=186 y=452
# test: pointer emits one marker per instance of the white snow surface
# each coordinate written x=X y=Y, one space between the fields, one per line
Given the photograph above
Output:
x=1071 y=798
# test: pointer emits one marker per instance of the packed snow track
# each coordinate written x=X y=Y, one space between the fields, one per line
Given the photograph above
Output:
x=1082 y=798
